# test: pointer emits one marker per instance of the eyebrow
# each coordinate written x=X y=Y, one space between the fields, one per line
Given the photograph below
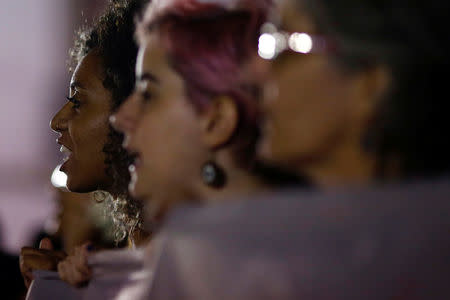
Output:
x=148 y=77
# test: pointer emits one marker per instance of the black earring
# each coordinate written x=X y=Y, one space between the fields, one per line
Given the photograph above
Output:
x=213 y=175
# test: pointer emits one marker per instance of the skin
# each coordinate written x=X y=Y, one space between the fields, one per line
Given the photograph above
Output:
x=75 y=224
x=86 y=168
x=74 y=269
x=315 y=112
x=173 y=140
x=44 y=258
x=75 y=227
x=83 y=129
x=152 y=110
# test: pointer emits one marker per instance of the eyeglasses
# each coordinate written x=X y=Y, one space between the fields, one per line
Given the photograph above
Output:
x=272 y=42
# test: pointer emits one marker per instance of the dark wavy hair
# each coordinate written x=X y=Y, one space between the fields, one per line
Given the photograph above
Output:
x=411 y=38
x=112 y=37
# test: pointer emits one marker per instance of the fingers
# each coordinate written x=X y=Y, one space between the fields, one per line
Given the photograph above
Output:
x=81 y=263
x=28 y=279
x=74 y=269
x=26 y=271
x=42 y=252
x=46 y=243
x=70 y=274
x=37 y=259
x=40 y=259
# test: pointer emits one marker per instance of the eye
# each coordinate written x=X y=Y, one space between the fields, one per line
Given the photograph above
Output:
x=76 y=103
x=142 y=89
x=146 y=95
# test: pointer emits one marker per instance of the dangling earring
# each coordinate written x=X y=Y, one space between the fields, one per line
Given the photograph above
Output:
x=213 y=175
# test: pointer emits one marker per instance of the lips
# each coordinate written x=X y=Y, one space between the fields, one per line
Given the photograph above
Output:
x=62 y=141
x=136 y=162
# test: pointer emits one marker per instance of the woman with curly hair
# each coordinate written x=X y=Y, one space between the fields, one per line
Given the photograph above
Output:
x=104 y=56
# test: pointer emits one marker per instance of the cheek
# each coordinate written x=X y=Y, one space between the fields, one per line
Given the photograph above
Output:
x=152 y=141
x=89 y=136
x=167 y=140
x=310 y=109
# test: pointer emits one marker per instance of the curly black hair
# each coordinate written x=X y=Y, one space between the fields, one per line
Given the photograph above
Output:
x=112 y=37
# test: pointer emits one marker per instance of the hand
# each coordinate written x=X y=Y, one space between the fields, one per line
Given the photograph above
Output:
x=44 y=258
x=74 y=269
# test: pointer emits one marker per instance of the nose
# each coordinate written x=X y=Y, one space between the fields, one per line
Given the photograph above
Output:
x=125 y=119
x=59 y=122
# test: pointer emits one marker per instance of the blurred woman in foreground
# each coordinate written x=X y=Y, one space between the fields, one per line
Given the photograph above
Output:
x=355 y=89
x=353 y=98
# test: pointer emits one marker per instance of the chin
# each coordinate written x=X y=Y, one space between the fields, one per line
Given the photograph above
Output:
x=270 y=155
x=78 y=186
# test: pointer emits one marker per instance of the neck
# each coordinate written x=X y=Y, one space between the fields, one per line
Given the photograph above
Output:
x=240 y=182
x=137 y=236
x=349 y=165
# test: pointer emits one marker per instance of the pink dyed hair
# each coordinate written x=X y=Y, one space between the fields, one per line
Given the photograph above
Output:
x=209 y=44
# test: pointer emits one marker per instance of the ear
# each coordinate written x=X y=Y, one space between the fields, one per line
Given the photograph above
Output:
x=220 y=121
x=371 y=86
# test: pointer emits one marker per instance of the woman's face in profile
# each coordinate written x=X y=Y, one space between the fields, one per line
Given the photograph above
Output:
x=162 y=129
x=307 y=111
x=83 y=127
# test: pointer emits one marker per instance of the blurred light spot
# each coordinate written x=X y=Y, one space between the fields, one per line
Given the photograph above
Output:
x=280 y=42
x=58 y=179
x=267 y=46
x=300 y=42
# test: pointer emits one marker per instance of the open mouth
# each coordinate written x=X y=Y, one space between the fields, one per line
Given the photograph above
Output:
x=67 y=154
x=66 y=151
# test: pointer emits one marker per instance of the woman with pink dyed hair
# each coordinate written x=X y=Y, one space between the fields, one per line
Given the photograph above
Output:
x=192 y=120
